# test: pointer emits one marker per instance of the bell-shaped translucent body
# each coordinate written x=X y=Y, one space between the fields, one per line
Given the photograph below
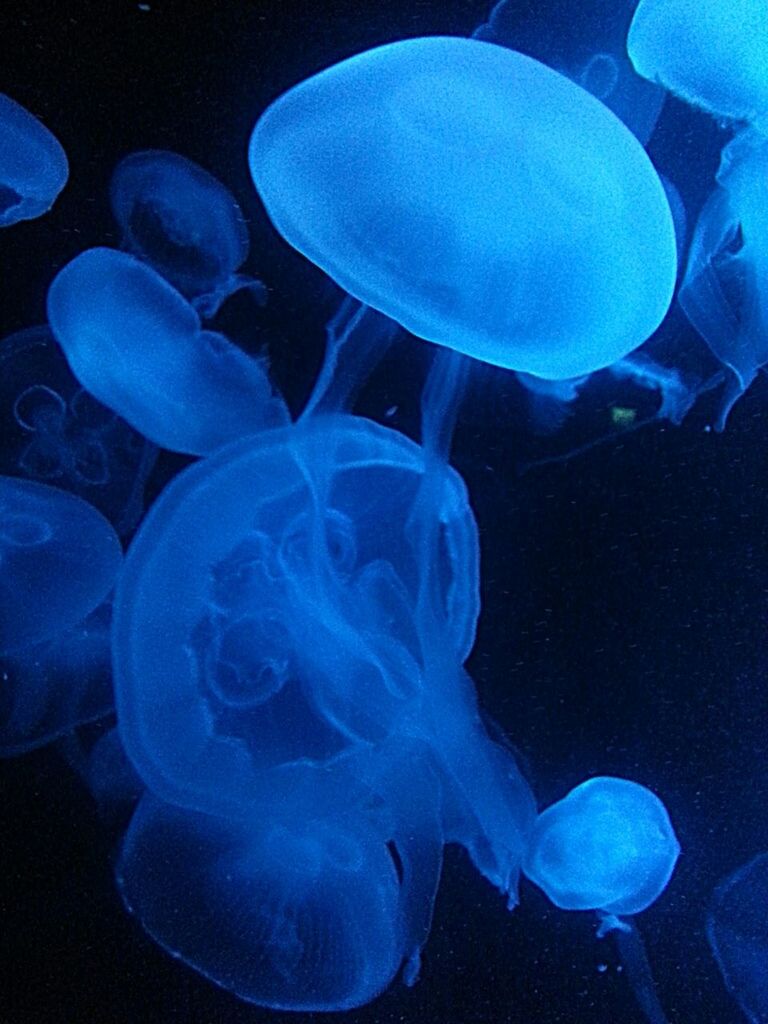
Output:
x=477 y=197
x=737 y=928
x=33 y=166
x=182 y=221
x=724 y=293
x=289 y=910
x=138 y=346
x=711 y=53
x=608 y=845
x=59 y=558
x=296 y=534
x=55 y=432
x=51 y=687
x=590 y=49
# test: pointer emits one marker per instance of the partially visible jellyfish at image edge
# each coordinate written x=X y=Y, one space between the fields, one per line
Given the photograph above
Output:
x=33 y=165
x=59 y=561
x=55 y=432
x=138 y=346
x=183 y=222
x=724 y=292
x=737 y=929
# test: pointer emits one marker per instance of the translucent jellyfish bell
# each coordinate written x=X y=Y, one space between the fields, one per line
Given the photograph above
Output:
x=399 y=172
x=712 y=54
x=55 y=432
x=182 y=221
x=138 y=346
x=33 y=166
x=723 y=293
x=58 y=561
x=590 y=49
x=738 y=934
x=608 y=845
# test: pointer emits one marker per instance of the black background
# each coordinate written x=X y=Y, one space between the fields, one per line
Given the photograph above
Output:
x=624 y=590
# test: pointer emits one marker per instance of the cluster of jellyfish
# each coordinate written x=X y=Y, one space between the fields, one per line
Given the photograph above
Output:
x=284 y=639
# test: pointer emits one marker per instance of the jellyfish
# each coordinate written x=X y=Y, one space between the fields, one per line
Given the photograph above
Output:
x=184 y=223
x=608 y=846
x=710 y=54
x=137 y=346
x=337 y=529
x=723 y=295
x=738 y=935
x=590 y=49
x=55 y=432
x=60 y=559
x=459 y=256
x=33 y=166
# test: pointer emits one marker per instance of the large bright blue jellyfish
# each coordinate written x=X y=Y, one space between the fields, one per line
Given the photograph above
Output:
x=725 y=292
x=302 y=791
x=138 y=346
x=55 y=432
x=33 y=166
x=478 y=198
x=182 y=221
x=711 y=53
x=59 y=560
x=737 y=928
x=588 y=45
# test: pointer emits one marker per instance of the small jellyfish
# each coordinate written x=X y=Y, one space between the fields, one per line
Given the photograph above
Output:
x=710 y=53
x=590 y=49
x=737 y=930
x=138 y=346
x=608 y=845
x=59 y=558
x=33 y=166
x=55 y=432
x=183 y=222
x=723 y=293
x=398 y=172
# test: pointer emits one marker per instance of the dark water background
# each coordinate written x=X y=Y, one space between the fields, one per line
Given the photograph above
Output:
x=625 y=591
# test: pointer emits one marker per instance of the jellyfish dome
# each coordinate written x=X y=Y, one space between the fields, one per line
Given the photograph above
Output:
x=59 y=558
x=608 y=845
x=180 y=219
x=710 y=53
x=480 y=199
x=138 y=346
x=33 y=166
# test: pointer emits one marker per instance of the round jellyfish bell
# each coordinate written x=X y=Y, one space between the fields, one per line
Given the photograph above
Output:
x=608 y=845
x=478 y=198
x=33 y=166
x=709 y=53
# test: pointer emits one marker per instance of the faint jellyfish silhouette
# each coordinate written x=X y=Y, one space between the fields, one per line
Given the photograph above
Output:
x=138 y=346
x=711 y=54
x=608 y=846
x=738 y=934
x=55 y=432
x=183 y=222
x=590 y=49
x=723 y=293
x=379 y=124
x=59 y=559
x=33 y=166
